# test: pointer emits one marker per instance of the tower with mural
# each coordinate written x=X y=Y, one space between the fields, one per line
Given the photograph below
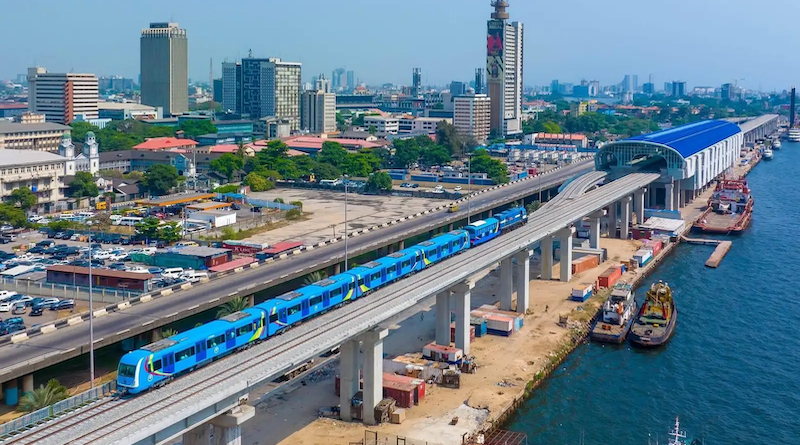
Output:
x=504 y=70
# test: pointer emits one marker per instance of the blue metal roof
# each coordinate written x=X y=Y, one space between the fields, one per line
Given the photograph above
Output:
x=692 y=138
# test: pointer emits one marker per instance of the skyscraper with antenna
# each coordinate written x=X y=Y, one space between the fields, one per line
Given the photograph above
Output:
x=504 y=82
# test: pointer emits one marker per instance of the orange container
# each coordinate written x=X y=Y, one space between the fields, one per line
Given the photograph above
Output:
x=609 y=277
x=584 y=263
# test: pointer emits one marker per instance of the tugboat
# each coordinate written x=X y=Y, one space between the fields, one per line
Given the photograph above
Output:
x=729 y=208
x=657 y=318
x=618 y=314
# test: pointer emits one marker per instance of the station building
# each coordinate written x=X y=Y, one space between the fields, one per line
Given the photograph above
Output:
x=688 y=158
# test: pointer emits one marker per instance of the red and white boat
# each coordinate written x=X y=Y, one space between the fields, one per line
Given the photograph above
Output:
x=729 y=208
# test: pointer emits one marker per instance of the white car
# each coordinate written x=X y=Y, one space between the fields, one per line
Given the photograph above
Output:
x=6 y=306
x=118 y=257
x=102 y=255
x=458 y=188
x=137 y=269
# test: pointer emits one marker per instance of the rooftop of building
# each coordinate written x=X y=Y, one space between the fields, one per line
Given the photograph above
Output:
x=312 y=142
x=9 y=158
x=198 y=251
x=166 y=120
x=164 y=143
x=124 y=106
x=129 y=155
x=570 y=136
x=16 y=127
x=692 y=138
x=14 y=106
x=101 y=272
x=381 y=118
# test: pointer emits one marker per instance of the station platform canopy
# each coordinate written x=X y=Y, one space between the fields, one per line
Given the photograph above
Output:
x=177 y=199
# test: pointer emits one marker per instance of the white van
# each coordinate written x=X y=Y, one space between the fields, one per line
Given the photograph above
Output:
x=186 y=244
x=6 y=294
x=115 y=219
x=172 y=272
x=194 y=276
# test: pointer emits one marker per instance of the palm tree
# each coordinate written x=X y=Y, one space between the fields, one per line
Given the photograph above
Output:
x=240 y=151
x=169 y=332
x=236 y=304
x=313 y=277
x=43 y=396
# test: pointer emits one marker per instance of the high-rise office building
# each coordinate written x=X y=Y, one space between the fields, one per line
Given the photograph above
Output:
x=232 y=87
x=668 y=88
x=555 y=87
x=480 y=81
x=271 y=87
x=471 y=115
x=594 y=88
x=648 y=88
x=728 y=91
x=351 y=80
x=416 y=82
x=217 y=91
x=339 y=79
x=457 y=88
x=62 y=97
x=165 y=68
x=678 y=88
x=318 y=110
x=322 y=84
x=504 y=69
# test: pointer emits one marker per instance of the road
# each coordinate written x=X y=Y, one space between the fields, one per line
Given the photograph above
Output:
x=45 y=350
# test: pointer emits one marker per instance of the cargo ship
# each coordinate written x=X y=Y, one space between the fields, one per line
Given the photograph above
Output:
x=657 y=318
x=617 y=315
x=729 y=208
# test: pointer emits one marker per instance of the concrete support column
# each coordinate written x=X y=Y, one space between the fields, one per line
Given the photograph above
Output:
x=638 y=205
x=228 y=427
x=506 y=278
x=547 y=257
x=11 y=392
x=462 y=294
x=401 y=245
x=450 y=227
x=27 y=383
x=200 y=435
x=594 y=229
x=348 y=376
x=251 y=300
x=390 y=248
x=337 y=269
x=625 y=225
x=566 y=253
x=682 y=198
x=373 y=372
x=669 y=199
x=443 y=318
x=676 y=197
x=523 y=280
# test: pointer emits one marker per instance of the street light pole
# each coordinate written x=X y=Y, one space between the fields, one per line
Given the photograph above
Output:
x=345 y=222
x=469 y=187
x=91 y=318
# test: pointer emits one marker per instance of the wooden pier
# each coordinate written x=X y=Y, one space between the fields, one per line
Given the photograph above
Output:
x=719 y=253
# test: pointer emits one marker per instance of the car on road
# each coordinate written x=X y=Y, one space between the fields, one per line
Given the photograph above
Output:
x=414 y=185
x=4 y=240
x=236 y=206
x=6 y=328
x=154 y=270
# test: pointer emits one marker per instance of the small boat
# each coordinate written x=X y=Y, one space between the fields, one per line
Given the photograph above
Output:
x=767 y=154
x=794 y=134
x=729 y=208
x=776 y=144
x=617 y=315
x=678 y=437
x=657 y=318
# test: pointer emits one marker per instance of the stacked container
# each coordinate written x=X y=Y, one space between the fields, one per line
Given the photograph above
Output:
x=642 y=256
x=479 y=324
x=440 y=353
x=453 y=332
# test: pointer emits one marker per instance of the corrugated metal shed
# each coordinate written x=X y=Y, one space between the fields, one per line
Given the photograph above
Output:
x=692 y=138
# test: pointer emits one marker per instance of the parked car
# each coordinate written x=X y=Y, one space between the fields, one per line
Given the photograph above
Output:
x=15 y=320
x=126 y=241
x=60 y=235
x=154 y=270
x=117 y=266
x=63 y=305
x=18 y=308
x=6 y=329
x=46 y=243
x=6 y=227
x=38 y=249
x=457 y=188
x=6 y=306
x=235 y=206
x=36 y=311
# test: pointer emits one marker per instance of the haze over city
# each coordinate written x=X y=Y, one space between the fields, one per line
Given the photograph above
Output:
x=700 y=42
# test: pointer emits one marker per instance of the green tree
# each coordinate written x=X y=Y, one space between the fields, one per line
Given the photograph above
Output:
x=326 y=171
x=101 y=221
x=193 y=128
x=43 y=396
x=168 y=332
x=23 y=198
x=332 y=153
x=12 y=216
x=379 y=181
x=447 y=136
x=226 y=165
x=241 y=150
x=111 y=173
x=313 y=277
x=495 y=169
x=534 y=206
x=78 y=130
x=294 y=214
x=149 y=228
x=372 y=129
x=436 y=155
x=278 y=200
x=160 y=178
x=170 y=232
x=234 y=305
x=83 y=186
x=341 y=123
x=258 y=183
x=297 y=203
x=60 y=226
x=133 y=176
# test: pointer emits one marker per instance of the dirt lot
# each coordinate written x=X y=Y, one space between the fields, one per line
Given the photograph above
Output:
x=291 y=418
x=327 y=208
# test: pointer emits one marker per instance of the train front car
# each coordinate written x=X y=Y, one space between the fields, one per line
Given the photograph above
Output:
x=483 y=231
x=131 y=374
x=512 y=218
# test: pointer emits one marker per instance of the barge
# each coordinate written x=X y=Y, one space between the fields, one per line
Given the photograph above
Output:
x=657 y=318
x=729 y=209
x=617 y=315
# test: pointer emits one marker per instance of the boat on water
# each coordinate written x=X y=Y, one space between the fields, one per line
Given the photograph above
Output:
x=776 y=144
x=794 y=134
x=657 y=318
x=617 y=315
x=767 y=154
x=729 y=208
x=678 y=437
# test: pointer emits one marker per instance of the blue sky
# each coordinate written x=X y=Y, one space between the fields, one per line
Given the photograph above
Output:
x=705 y=42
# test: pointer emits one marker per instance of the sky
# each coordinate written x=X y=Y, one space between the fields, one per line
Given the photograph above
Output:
x=704 y=42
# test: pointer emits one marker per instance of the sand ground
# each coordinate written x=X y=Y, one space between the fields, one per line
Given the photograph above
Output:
x=505 y=365
x=327 y=208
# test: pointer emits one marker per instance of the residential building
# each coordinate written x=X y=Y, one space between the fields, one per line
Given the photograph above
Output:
x=88 y=160
x=40 y=171
x=318 y=110
x=30 y=118
x=232 y=87
x=420 y=125
x=120 y=111
x=383 y=124
x=472 y=115
x=33 y=136
x=62 y=96
x=504 y=63
x=164 y=68
x=138 y=160
x=678 y=88
x=271 y=87
x=166 y=144
x=272 y=128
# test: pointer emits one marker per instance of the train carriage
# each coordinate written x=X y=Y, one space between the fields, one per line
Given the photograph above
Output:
x=483 y=231
x=512 y=218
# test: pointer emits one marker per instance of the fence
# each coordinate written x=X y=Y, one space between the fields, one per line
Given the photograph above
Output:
x=270 y=204
x=34 y=418
x=257 y=220
x=376 y=438
x=66 y=291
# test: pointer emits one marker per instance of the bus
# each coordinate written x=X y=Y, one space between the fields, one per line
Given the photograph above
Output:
x=130 y=220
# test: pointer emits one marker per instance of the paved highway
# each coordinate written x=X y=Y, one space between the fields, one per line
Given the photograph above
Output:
x=157 y=415
x=44 y=350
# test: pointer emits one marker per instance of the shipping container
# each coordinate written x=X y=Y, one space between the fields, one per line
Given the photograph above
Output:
x=440 y=353
x=479 y=324
x=609 y=277
x=581 y=292
x=402 y=393
x=453 y=333
x=418 y=383
x=584 y=263
x=519 y=319
x=642 y=256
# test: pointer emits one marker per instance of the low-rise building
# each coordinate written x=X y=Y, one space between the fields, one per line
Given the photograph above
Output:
x=40 y=171
x=80 y=276
x=192 y=257
x=311 y=144
x=36 y=136
x=472 y=116
x=166 y=144
x=383 y=124
x=120 y=111
x=12 y=109
x=567 y=139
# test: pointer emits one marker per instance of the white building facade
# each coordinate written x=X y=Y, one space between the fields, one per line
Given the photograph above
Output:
x=61 y=97
x=504 y=71
x=383 y=124
x=471 y=116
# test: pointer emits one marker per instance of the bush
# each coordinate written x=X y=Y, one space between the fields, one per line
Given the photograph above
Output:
x=293 y=214
x=297 y=203
x=279 y=200
x=228 y=232
x=230 y=188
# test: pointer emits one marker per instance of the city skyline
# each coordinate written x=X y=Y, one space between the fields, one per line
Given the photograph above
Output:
x=632 y=42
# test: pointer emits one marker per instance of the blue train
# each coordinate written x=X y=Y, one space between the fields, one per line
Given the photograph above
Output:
x=156 y=364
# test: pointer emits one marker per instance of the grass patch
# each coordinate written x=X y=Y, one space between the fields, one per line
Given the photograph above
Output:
x=247 y=233
x=589 y=308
